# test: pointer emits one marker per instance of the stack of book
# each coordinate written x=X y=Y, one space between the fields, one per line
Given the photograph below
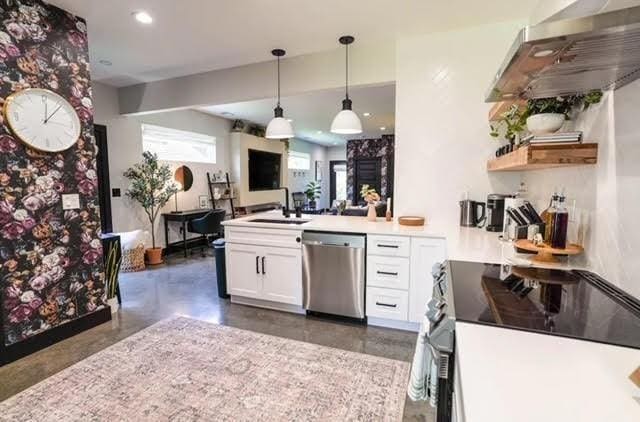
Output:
x=554 y=138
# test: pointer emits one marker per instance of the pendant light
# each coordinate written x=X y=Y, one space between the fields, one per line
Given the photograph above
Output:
x=279 y=127
x=346 y=121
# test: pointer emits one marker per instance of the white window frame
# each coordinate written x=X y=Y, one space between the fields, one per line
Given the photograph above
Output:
x=294 y=160
x=179 y=145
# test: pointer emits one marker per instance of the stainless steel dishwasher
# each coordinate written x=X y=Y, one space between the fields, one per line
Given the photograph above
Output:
x=333 y=273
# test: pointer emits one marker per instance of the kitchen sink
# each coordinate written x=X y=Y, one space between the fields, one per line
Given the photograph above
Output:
x=278 y=221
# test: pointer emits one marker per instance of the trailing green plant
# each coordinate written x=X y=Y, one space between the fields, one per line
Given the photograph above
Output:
x=562 y=105
x=112 y=269
x=313 y=190
x=511 y=123
x=151 y=186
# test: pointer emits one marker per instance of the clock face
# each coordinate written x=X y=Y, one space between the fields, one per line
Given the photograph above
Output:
x=42 y=119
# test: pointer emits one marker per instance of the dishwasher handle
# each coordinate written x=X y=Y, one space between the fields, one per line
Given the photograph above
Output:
x=337 y=245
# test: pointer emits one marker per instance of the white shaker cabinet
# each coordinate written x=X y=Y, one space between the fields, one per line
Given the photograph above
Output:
x=243 y=270
x=425 y=252
x=282 y=278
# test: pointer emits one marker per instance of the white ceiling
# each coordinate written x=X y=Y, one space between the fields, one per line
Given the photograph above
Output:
x=192 y=36
x=313 y=113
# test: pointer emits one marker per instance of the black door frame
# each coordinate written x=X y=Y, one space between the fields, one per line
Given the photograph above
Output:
x=332 y=179
x=104 y=187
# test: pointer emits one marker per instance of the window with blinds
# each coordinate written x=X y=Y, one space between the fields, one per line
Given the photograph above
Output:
x=178 y=145
x=299 y=161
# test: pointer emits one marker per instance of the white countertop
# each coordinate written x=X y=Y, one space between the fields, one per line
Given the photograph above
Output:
x=510 y=375
x=463 y=243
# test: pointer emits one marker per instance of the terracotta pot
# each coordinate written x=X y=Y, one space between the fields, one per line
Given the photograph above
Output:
x=154 y=256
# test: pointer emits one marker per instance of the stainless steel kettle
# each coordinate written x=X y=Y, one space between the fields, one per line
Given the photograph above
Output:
x=469 y=213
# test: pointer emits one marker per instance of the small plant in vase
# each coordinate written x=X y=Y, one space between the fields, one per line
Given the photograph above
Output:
x=370 y=196
x=547 y=115
x=312 y=192
x=152 y=187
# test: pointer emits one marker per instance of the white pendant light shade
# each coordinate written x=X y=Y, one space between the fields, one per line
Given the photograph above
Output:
x=279 y=128
x=347 y=123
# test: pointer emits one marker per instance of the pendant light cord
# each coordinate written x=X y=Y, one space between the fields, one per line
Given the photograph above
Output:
x=278 y=81
x=346 y=76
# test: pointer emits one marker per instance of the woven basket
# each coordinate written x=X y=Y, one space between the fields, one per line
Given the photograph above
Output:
x=133 y=260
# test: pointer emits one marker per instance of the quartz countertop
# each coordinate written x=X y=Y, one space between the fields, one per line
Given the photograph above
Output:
x=463 y=243
x=510 y=375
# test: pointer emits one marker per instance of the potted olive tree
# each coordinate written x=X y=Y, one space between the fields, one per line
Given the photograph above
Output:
x=151 y=186
x=312 y=192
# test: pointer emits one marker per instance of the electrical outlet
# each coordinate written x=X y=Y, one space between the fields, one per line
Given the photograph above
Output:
x=70 y=201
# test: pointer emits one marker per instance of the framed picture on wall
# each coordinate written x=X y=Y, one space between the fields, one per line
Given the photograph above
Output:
x=203 y=201
x=319 y=170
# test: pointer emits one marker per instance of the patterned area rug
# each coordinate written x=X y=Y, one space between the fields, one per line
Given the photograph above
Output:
x=183 y=370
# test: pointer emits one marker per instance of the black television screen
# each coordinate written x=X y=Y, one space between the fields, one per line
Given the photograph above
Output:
x=264 y=170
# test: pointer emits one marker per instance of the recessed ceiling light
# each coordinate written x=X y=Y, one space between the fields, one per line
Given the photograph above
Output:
x=335 y=143
x=143 y=17
x=544 y=53
x=289 y=120
x=383 y=128
x=366 y=114
x=319 y=132
x=105 y=62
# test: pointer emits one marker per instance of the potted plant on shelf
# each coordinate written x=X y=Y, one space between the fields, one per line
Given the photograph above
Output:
x=547 y=115
x=312 y=192
x=370 y=196
x=152 y=187
x=510 y=125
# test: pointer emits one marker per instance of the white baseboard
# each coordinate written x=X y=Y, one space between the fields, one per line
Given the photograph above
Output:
x=392 y=323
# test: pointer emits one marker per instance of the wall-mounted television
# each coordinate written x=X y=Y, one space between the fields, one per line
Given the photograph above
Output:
x=264 y=170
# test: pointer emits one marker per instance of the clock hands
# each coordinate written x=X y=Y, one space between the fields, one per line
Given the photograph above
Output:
x=52 y=114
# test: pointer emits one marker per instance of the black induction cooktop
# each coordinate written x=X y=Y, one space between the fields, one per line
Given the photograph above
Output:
x=575 y=304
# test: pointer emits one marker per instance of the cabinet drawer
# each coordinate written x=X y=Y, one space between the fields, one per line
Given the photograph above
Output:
x=387 y=303
x=264 y=237
x=388 y=245
x=389 y=272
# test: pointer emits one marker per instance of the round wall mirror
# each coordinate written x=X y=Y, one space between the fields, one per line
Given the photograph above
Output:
x=184 y=176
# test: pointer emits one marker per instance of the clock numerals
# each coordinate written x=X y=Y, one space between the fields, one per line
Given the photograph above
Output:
x=16 y=116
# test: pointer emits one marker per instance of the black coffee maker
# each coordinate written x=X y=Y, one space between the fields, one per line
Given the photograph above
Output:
x=495 y=212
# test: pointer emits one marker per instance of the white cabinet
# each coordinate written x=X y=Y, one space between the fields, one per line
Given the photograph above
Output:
x=387 y=303
x=282 y=280
x=425 y=252
x=389 y=272
x=264 y=273
x=388 y=245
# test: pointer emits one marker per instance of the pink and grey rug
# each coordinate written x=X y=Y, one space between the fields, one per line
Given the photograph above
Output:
x=184 y=370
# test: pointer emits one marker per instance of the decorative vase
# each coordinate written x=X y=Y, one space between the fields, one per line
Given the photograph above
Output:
x=545 y=123
x=113 y=304
x=154 y=256
x=371 y=213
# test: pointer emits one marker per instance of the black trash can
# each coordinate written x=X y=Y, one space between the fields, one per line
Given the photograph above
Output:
x=221 y=268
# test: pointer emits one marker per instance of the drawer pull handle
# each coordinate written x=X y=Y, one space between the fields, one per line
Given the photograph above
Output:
x=380 y=245
x=387 y=273
x=388 y=305
x=257 y=265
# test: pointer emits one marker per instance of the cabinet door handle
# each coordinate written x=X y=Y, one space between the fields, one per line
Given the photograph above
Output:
x=388 y=305
x=257 y=265
x=380 y=245
x=387 y=273
x=263 y=270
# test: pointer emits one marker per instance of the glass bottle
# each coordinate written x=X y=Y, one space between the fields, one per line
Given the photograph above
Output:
x=560 y=225
x=548 y=216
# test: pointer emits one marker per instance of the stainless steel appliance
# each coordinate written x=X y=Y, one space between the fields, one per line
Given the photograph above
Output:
x=495 y=212
x=333 y=273
x=469 y=213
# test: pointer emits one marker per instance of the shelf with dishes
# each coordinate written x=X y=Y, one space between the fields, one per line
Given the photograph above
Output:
x=543 y=156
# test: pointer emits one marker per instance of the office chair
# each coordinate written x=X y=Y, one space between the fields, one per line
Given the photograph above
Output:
x=209 y=225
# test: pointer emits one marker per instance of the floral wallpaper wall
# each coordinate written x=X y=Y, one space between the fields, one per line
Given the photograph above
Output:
x=51 y=260
x=371 y=148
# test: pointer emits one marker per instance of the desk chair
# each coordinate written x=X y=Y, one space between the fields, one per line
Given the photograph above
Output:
x=209 y=225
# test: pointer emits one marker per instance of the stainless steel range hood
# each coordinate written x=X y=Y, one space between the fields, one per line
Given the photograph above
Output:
x=571 y=56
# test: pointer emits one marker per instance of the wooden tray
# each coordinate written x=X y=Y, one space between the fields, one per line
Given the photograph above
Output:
x=545 y=252
x=411 y=221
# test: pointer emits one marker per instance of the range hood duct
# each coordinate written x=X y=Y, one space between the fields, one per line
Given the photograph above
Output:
x=571 y=56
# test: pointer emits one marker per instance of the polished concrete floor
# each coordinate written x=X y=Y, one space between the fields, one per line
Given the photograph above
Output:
x=188 y=287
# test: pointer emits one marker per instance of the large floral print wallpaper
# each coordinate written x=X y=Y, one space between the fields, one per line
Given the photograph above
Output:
x=51 y=260
x=382 y=148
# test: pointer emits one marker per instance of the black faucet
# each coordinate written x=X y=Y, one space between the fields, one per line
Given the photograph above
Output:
x=285 y=209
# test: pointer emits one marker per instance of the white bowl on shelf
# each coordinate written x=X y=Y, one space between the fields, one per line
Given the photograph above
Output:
x=545 y=123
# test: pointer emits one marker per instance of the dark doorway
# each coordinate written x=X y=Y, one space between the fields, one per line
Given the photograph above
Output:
x=337 y=180
x=104 y=188
x=368 y=171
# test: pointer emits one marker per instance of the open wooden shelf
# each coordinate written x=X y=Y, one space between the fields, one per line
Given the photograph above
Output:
x=535 y=157
x=503 y=106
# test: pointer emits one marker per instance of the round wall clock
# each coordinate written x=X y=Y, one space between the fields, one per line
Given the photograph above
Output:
x=42 y=119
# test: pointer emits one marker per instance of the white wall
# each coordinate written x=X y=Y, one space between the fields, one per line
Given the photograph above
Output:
x=607 y=195
x=442 y=134
x=125 y=149
x=298 y=179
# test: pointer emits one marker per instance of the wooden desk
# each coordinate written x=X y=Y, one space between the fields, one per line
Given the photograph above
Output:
x=182 y=217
